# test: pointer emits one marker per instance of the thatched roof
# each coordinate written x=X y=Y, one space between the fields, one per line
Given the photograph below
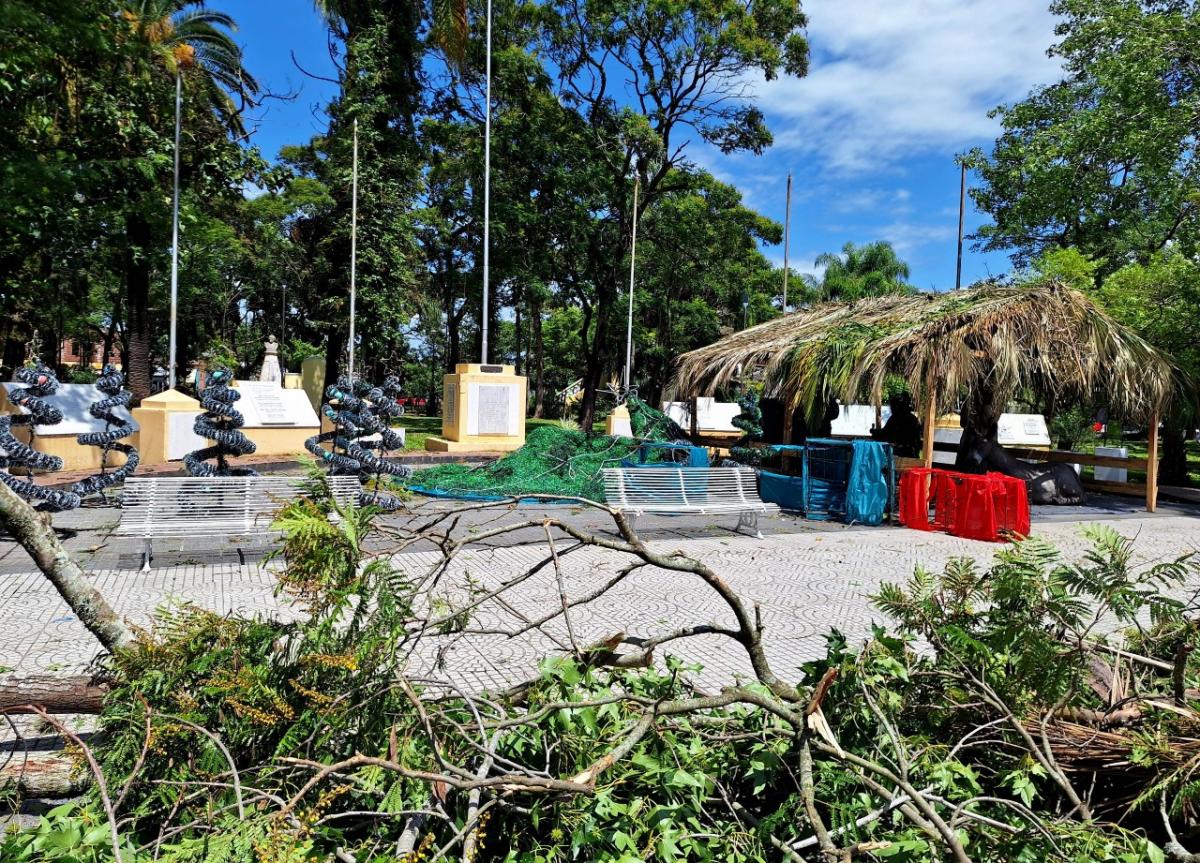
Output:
x=1044 y=337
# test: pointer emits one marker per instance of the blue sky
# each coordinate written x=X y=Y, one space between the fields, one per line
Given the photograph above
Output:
x=896 y=89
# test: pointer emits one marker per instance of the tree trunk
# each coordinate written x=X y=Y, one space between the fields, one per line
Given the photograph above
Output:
x=517 y=328
x=44 y=776
x=52 y=693
x=137 y=296
x=596 y=355
x=539 y=360
x=37 y=537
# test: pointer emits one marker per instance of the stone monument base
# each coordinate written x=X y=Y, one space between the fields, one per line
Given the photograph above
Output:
x=437 y=443
x=483 y=410
x=165 y=427
x=618 y=422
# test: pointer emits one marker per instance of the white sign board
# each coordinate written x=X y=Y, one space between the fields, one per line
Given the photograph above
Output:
x=181 y=440
x=1112 y=474
x=265 y=404
x=493 y=409
x=711 y=415
x=74 y=400
x=856 y=420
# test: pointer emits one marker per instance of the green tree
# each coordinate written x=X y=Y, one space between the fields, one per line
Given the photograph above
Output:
x=643 y=78
x=870 y=270
x=1104 y=160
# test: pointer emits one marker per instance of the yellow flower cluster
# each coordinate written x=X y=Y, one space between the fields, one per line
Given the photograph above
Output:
x=420 y=852
x=331 y=660
x=480 y=832
x=312 y=695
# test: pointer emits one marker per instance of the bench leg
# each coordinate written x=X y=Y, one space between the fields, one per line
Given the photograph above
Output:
x=241 y=556
x=750 y=520
x=146 y=555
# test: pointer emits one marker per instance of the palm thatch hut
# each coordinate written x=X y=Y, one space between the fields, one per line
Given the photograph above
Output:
x=979 y=346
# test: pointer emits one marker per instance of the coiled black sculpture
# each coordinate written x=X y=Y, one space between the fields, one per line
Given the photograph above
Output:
x=111 y=382
x=358 y=410
x=221 y=422
x=40 y=382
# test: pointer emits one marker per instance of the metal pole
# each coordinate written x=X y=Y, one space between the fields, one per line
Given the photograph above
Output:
x=175 y=236
x=487 y=188
x=353 y=246
x=787 y=236
x=962 y=203
x=637 y=182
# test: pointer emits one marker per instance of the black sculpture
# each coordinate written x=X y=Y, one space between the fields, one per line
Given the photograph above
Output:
x=979 y=450
x=40 y=382
x=221 y=422
x=111 y=383
x=358 y=410
x=902 y=430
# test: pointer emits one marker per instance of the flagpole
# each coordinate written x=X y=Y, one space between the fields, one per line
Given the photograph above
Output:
x=787 y=236
x=487 y=189
x=175 y=238
x=353 y=246
x=637 y=181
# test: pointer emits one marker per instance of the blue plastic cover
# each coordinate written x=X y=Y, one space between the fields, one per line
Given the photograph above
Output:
x=867 y=489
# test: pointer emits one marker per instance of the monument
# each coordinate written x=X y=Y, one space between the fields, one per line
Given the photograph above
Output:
x=483 y=410
x=278 y=420
x=270 y=368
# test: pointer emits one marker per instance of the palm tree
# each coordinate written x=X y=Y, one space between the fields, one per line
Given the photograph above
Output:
x=872 y=270
x=192 y=43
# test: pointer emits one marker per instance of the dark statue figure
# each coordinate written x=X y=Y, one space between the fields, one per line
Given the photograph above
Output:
x=221 y=422
x=902 y=430
x=979 y=450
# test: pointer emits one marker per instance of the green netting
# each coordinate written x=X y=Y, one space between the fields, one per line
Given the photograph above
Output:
x=554 y=460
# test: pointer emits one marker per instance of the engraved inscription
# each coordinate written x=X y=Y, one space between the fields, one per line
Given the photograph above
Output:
x=450 y=404
x=494 y=407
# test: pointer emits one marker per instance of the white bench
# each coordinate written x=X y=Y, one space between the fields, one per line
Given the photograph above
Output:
x=214 y=506
x=687 y=491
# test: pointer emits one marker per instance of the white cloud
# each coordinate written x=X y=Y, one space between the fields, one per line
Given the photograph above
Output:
x=896 y=78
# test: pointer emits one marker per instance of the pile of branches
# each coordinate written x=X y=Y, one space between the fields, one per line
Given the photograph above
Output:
x=948 y=737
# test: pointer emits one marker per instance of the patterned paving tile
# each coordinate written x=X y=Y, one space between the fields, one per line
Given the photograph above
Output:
x=805 y=582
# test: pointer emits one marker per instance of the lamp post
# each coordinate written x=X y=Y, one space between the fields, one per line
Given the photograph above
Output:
x=787 y=236
x=353 y=246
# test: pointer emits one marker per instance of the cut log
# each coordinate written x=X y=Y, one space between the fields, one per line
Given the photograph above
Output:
x=42 y=775
x=52 y=693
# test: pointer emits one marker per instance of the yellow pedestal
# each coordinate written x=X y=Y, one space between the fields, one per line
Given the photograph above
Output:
x=154 y=424
x=293 y=381
x=618 y=422
x=312 y=380
x=483 y=410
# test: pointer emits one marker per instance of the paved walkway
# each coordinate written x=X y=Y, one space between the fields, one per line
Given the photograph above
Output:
x=808 y=578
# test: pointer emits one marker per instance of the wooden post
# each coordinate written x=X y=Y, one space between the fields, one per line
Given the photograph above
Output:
x=930 y=421
x=1152 y=466
x=878 y=416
